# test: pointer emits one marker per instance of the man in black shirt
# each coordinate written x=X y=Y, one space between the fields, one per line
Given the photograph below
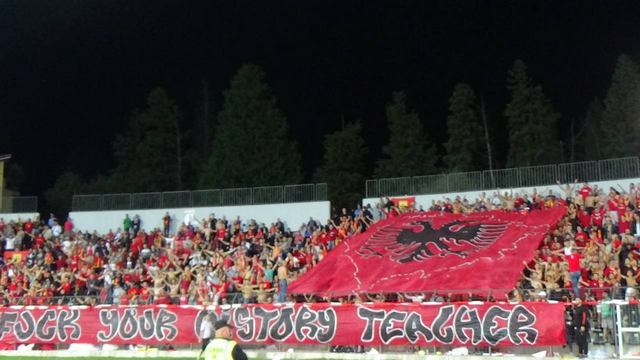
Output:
x=581 y=326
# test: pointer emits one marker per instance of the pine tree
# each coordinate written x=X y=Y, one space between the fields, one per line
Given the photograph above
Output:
x=621 y=116
x=58 y=197
x=199 y=136
x=14 y=177
x=343 y=166
x=466 y=150
x=250 y=146
x=591 y=139
x=408 y=153
x=532 y=122
x=149 y=151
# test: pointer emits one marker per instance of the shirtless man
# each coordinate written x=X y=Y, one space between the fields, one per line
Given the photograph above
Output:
x=283 y=278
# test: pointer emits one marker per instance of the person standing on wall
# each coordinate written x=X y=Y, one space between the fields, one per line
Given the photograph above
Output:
x=283 y=278
x=166 y=224
x=575 y=270
x=222 y=347
x=581 y=325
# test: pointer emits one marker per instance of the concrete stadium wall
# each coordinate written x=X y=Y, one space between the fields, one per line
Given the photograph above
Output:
x=425 y=200
x=17 y=216
x=292 y=214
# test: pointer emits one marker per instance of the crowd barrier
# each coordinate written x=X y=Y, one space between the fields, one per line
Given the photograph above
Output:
x=601 y=170
x=202 y=198
x=18 y=204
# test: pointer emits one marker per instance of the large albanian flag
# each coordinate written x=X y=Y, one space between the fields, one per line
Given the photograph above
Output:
x=432 y=251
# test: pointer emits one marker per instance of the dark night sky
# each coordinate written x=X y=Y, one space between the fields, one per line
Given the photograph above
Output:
x=71 y=71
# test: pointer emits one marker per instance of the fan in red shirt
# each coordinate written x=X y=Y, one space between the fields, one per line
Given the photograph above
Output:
x=580 y=238
x=68 y=226
x=597 y=216
x=64 y=288
x=621 y=208
x=133 y=293
x=624 y=222
x=574 y=269
x=145 y=293
x=323 y=238
x=28 y=226
x=221 y=232
x=584 y=218
x=585 y=191
x=612 y=205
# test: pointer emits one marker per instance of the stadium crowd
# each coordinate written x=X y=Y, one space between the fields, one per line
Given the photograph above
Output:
x=593 y=251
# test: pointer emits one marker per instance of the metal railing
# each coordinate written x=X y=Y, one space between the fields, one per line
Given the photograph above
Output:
x=19 y=204
x=601 y=170
x=200 y=198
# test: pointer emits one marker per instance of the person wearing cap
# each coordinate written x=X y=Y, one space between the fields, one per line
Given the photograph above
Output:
x=223 y=347
x=581 y=325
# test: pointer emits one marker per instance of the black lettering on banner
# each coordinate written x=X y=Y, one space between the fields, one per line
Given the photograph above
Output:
x=305 y=327
x=328 y=321
x=6 y=322
x=518 y=325
x=165 y=325
x=489 y=324
x=413 y=327
x=245 y=324
x=111 y=319
x=283 y=327
x=147 y=324
x=265 y=318
x=443 y=317
x=25 y=327
x=387 y=332
x=67 y=320
x=128 y=327
x=370 y=316
x=45 y=331
x=472 y=322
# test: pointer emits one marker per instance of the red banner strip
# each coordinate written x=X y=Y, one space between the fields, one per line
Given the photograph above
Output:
x=500 y=324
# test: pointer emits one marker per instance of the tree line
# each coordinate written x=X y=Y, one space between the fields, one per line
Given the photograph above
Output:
x=247 y=144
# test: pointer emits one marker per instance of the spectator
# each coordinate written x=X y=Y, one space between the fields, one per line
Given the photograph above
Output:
x=68 y=226
x=136 y=224
x=205 y=332
x=56 y=229
x=575 y=270
x=127 y=224
x=222 y=346
x=166 y=224
x=581 y=326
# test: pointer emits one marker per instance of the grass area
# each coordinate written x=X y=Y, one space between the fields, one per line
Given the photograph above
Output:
x=84 y=358
x=100 y=358
x=2 y=357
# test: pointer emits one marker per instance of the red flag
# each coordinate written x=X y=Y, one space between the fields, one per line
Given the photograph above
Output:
x=16 y=256
x=428 y=251
x=404 y=203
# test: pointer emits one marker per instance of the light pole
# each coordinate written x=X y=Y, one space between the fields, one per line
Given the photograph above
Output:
x=3 y=159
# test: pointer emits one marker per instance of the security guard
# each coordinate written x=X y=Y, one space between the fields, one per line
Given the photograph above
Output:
x=223 y=347
x=581 y=324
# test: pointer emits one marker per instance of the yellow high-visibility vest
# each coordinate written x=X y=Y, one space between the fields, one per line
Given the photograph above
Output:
x=219 y=349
